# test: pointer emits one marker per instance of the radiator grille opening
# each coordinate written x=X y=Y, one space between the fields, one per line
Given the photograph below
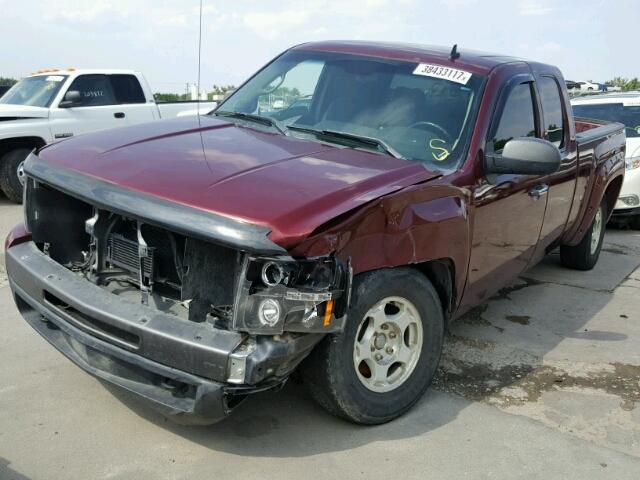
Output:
x=123 y=253
x=191 y=278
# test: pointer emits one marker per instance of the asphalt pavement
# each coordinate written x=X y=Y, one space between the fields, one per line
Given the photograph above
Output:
x=541 y=382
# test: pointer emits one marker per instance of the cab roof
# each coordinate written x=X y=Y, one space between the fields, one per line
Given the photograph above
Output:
x=474 y=61
x=80 y=71
x=610 y=97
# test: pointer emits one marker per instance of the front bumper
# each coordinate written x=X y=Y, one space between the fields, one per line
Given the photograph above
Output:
x=186 y=398
x=180 y=367
x=624 y=213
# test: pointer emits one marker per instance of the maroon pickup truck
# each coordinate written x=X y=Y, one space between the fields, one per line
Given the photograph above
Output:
x=330 y=217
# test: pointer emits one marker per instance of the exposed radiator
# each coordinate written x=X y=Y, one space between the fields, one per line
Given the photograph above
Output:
x=123 y=253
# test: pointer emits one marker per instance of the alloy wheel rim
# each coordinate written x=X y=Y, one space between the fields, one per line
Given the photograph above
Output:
x=20 y=173
x=597 y=230
x=388 y=344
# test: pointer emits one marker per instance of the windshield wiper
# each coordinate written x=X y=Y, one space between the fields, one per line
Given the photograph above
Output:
x=269 y=122
x=376 y=143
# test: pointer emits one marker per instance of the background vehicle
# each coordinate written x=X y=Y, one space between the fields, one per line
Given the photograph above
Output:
x=623 y=108
x=591 y=86
x=195 y=264
x=58 y=104
x=571 y=85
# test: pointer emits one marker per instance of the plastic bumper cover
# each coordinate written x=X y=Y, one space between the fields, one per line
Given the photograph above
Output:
x=179 y=367
x=621 y=213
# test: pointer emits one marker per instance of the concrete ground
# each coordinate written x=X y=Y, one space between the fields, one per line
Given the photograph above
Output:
x=541 y=382
x=10 y=215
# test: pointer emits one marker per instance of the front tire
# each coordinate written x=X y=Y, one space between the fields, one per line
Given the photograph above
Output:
x=584 y=256
x=385 y=359
x=11 y=173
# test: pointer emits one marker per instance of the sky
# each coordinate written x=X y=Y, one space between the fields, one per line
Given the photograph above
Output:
x=588 y=39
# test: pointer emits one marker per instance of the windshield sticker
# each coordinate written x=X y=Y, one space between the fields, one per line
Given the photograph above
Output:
x=446 y=73
x=440 y=154
x=54 y=78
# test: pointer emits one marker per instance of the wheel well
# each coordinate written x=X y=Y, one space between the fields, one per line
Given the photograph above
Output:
x=612 y=192
x=22 y=142
x=441 y=273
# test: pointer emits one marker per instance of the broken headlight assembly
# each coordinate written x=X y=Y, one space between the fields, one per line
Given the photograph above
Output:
x=275 y=295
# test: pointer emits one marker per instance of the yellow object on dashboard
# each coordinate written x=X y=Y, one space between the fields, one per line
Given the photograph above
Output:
x=439 y=152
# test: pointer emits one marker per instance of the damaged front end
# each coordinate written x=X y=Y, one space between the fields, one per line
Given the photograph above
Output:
x=142 y=293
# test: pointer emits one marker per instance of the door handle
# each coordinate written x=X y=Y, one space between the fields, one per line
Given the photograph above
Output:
x=119 y=115
x=539 y=190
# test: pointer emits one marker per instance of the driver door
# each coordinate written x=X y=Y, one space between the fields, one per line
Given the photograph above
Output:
x=509 y=209
x=96 y=110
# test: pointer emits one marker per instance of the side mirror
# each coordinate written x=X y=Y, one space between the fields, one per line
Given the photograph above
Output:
x=71 y=98
x=524 y=156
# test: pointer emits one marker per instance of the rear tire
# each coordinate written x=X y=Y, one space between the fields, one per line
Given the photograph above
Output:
x=385 y=359
x=584 y=256
x=10 y=173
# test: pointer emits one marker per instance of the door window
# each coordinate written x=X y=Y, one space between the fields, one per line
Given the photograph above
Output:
x=552 y=111
x=518 y=117
x=95 y=90
x=127 y=89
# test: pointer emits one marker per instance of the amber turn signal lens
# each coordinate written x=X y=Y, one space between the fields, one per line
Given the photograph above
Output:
x=327 y=314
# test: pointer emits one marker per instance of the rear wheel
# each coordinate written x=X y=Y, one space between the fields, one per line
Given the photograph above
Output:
x=584 y=256
x=12 y=173
x=380 y=366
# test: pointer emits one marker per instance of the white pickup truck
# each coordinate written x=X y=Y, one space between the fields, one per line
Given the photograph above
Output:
x=56 y=104
x=622 y=107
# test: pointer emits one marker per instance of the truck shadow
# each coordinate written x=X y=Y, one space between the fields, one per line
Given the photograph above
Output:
x=8 y=473
x=290 y=424
x=490 y=352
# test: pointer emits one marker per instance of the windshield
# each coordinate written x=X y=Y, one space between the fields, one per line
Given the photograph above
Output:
x=424 y=113
x=36 y=91
x=613 y=112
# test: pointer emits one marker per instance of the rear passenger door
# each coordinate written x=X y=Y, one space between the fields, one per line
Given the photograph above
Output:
x=130 y=96
x=561 y=185
x=508 y=209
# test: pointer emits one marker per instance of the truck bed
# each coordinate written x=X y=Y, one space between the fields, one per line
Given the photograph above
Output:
x=597 y=142
x=588 y=128
x=179 y=109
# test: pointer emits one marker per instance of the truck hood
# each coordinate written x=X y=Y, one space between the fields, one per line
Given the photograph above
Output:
x=9 y=111
x=288 y=185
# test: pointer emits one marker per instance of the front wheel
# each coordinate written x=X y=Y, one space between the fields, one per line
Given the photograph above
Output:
x=584 y=256
x=385 y=359
x=12 y=173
